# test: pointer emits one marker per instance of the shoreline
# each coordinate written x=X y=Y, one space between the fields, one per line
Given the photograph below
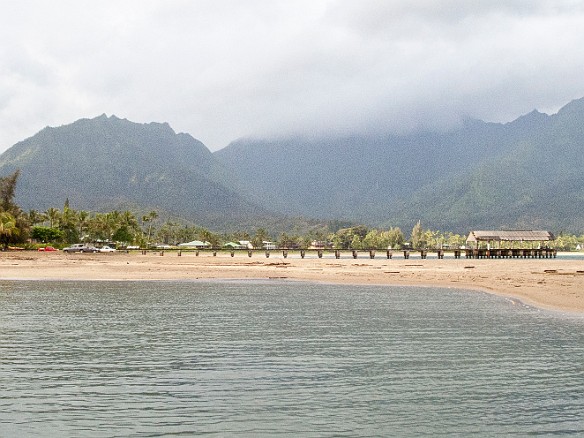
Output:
x=552 y=284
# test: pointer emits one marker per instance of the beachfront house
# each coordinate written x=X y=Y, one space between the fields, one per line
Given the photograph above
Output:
x=245 y=244
x=269 y=245
x=195 y=244
x=318 y=244
x=234 y=245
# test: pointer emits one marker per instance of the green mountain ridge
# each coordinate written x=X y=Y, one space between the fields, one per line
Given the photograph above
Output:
x=537 y=183
x=523 y=174
x=528 y=173
x=109 y=163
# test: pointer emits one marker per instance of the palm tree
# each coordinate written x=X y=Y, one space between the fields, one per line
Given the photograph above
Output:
x=129 y=220
x=8 y=228
x=68 y=223
x=417 y=236
x=53 y=216
x=35 y=218
x=261 y=235
x=150 y=217
x=115 y=217
x=82 y=220
x=101 y=226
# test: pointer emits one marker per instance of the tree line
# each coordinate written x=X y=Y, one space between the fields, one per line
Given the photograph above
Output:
x=64 y=226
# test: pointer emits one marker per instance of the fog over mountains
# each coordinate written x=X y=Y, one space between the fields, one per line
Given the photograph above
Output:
x=525 y=174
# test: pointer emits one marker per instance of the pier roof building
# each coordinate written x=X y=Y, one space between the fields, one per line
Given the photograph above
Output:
x=510 y=236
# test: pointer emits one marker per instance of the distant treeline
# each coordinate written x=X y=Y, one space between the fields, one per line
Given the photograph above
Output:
x=64 y=226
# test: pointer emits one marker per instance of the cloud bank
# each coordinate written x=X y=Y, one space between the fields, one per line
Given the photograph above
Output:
x=225 y=69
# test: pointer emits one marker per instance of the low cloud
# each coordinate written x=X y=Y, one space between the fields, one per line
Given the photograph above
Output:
x=223 y=69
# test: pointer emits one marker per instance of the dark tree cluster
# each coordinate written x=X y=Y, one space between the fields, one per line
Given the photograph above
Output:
x=14 y=224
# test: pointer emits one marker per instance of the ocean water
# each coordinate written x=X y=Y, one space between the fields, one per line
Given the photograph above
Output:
x=276 y=358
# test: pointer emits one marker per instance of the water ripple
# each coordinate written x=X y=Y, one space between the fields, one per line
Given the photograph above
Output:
x=263 y=359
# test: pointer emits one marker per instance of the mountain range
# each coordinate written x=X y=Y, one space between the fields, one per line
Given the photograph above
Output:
x=525 y=174
x=108 y=163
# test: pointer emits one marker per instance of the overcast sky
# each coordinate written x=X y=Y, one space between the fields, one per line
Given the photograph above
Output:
x=221 y=69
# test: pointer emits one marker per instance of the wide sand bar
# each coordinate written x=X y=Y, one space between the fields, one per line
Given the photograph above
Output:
x=547 y=283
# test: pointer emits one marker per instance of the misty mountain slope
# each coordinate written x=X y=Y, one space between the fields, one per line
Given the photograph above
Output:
x=526 y=173
x=105 y=163
x=362 y=178
x=538 y=183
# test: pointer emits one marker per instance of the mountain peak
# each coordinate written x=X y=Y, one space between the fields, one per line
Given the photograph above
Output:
x=530 y=119
x=574 y=107
x=104 y=118
x=113 y=122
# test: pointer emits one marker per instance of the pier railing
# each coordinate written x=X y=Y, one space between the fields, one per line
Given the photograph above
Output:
x=543 y=253
x=539 y=253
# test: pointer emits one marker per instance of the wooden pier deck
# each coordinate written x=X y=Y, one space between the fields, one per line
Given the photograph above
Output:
x=540 y=253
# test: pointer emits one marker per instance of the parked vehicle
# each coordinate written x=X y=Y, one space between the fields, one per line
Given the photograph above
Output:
x=80 y=247
x=106 y=248
x=48 y=249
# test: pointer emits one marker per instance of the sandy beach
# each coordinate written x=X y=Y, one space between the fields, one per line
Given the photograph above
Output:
x=546 y=283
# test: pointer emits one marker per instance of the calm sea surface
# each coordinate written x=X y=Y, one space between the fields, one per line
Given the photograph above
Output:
x=274 y=358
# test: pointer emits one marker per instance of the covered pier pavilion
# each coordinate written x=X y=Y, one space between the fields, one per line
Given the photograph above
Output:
x=510 y=244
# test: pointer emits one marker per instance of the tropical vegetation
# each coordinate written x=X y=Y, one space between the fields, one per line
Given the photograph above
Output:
x=526 y=174
x=64 y=226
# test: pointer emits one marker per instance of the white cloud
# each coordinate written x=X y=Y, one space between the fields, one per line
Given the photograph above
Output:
x=223 y=69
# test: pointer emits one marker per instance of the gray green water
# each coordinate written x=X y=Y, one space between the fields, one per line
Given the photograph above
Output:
x=104 y=359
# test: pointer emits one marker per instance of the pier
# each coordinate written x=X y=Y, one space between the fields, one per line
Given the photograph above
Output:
x=470 y=253
x=511 y=244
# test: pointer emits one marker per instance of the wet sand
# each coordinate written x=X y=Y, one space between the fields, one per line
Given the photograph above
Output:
x=546 y=283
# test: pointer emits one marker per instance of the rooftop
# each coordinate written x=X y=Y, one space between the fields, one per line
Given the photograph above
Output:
x=510 y=236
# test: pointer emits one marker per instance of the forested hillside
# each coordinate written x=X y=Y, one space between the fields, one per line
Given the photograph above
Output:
x=109 y=163
x=523 y=174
